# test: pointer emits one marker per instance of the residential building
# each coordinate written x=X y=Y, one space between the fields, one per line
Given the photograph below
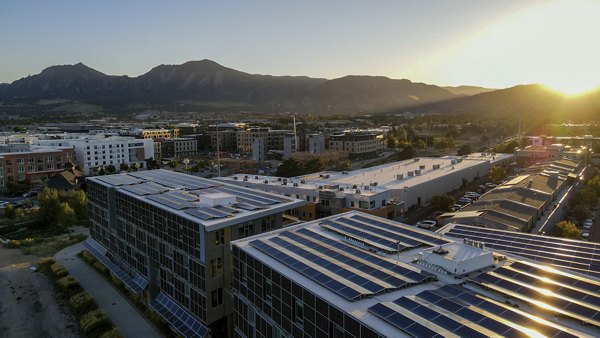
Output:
x=97 y=151
x=358 y=275
x=151 y=133
x=359 y=145
x=227 y=135
x=33 y=167
x=67 y=181
x=177 y=147
x=273 y=139
x=167 y=236
x=315 y=143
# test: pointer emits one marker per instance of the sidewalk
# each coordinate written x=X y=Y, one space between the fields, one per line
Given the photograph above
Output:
x=123 y=315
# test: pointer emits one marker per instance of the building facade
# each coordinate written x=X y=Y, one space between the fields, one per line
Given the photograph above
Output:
x=33 y=167
x=171 y=232
x=273 y=139
x=359 y=146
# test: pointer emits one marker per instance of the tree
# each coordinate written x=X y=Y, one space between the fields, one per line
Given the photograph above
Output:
x=110 y=169
x=66 y=216
x=586 y=196
x=10 y=212
x=464 y=149
x=124 y=167
x=594 y=184
x=566 y=229
x=407 y=152
x=581 y=212
x=49 y=203
x=391 y=142
x=101 y=171
x=497 y=174
x=442 y=202
x=173 y=164
x=313 y=165
x=79 y=204
x=343 y=166
x=289 y=168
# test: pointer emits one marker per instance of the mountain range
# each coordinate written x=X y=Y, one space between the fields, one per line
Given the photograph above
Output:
x=208 y=86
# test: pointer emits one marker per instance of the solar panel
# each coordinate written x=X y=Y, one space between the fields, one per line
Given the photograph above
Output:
x=176 y=180
x=562 y=292
x=176 y=199
x=208 y=213
x=252 y=195
x=402 y=322
x=136 y=284
x=352 y=273
x=146 y=188
x=425 y=237
x=118 y=179
x=179 y=318
x=583 y=257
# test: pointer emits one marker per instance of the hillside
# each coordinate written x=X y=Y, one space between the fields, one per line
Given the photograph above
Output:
x=206 y=85
x=468 y=90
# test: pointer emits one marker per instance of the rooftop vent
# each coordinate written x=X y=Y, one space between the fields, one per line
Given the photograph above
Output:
x=400 y=177
x=422 y=167
x=436 y=166
x=219 y=198
x=358 y=191
x=417 y=171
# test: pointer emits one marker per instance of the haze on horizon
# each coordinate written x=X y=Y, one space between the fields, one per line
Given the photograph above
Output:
x=494 y=44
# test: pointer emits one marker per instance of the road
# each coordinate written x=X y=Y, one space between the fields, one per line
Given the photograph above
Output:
x=122 y=313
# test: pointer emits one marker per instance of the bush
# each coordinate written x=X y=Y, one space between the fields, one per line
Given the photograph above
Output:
x=83 y=303
x=117 y=282
x=94 y=321
x=101 y=268
x=58 y=270
x=159 y=321
x=46 y=261
x=31 y=241
x=69 y=285
x=13 y=244
x=113 y=333
x=88 y=257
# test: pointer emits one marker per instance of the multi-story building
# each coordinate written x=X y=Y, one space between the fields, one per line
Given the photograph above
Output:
x=151 y=133
x=314 y=143
x=177 y=147
x=273 y=139
x=359 y=145
x=357 y=275
x=34 y=166
x=98 y=151
x=167 y=236
x=227 y=135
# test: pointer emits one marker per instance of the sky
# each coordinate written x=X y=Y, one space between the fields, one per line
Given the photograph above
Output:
x=489 y=43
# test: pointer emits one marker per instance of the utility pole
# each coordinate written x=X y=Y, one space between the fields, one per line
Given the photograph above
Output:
x=218 y=153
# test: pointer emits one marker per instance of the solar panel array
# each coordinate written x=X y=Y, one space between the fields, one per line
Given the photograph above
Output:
x=146 y=188
x=455 y=310
x=118 y=180
x=386 y=236
x=340 y=267
x=137 y=284
x=550 y=289
x=175 y=180
x=179 y=318
x=208 y=213
x=580 y=256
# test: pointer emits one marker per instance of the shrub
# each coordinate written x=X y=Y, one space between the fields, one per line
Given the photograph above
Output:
x=113 y=333
x=83 y=303
x=31 y=241
x=58 y=270
x=13 y=244
x=69 y=285
x=100 y=267
x=159 y=321
x=46 y=261
x=116 y=281
x=94 y=322
x=88 y=257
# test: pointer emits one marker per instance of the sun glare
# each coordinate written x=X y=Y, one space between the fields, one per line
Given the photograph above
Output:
x=551 y=42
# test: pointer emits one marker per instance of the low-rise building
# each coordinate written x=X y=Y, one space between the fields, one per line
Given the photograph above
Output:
x=273 y=139
x=359 y=145
x=151 y=133
x=33 y=167
x=535 y=154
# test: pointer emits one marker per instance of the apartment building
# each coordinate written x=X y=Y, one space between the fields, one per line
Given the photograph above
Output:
x=176 y=147
x=34 y=166
x=359 y=145
x=151 y=133
x=273 y=139
x=97 y=151
x=167 y=236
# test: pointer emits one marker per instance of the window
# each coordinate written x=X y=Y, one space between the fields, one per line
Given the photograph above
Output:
x=251 y=315
x=298 y=314
x=217 y=267
x=383 y=203
x=363 y=204
x=246 y=230
x=336 y=331
x=219 y=237
x=217 y=297
x=268 y=291
x=243 y=272
x=351 y=204
x=20 y=161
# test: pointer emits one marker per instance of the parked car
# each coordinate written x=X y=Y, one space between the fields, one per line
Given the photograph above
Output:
x=457 y=207
x=30 y=194
x=585 y=236
x=472 y=195
x=426 y=224
x=464 y=200
x=587 y=227
x=3 y=204
x=491 y=185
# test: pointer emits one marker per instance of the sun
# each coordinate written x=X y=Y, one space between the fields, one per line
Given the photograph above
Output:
x=568 y=88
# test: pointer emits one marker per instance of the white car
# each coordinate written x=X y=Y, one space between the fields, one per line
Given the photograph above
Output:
x=491 y=185
x=3 y=204
x=427 y=224
x=456 y=207
x=585 y=236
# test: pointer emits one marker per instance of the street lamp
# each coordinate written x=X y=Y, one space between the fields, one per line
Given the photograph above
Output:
x=186 y=161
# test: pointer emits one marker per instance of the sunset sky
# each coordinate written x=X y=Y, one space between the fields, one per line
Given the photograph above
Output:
x=487 y=43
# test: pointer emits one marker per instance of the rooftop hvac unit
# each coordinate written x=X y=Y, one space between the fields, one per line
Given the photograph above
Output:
x=354 y=186
x=321 y=187
x=400 y=177
x=302 y=181
x=417 y=159
x=341 y=189
x=436 y=166
x=284 y=183
x=235 y=178
x=410 y=173
x=344 y=173
x=417 y=171
x=266 y=182
x=255 y=177
x=358 y=191
x=245 y=179
x=422 y=167
x=326 y=176
x=295 y=184
x=453 y=162
x=279 y=179
x=374 y=184
x=458 y=160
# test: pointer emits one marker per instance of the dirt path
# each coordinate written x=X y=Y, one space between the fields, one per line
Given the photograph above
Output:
x=28 y=306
